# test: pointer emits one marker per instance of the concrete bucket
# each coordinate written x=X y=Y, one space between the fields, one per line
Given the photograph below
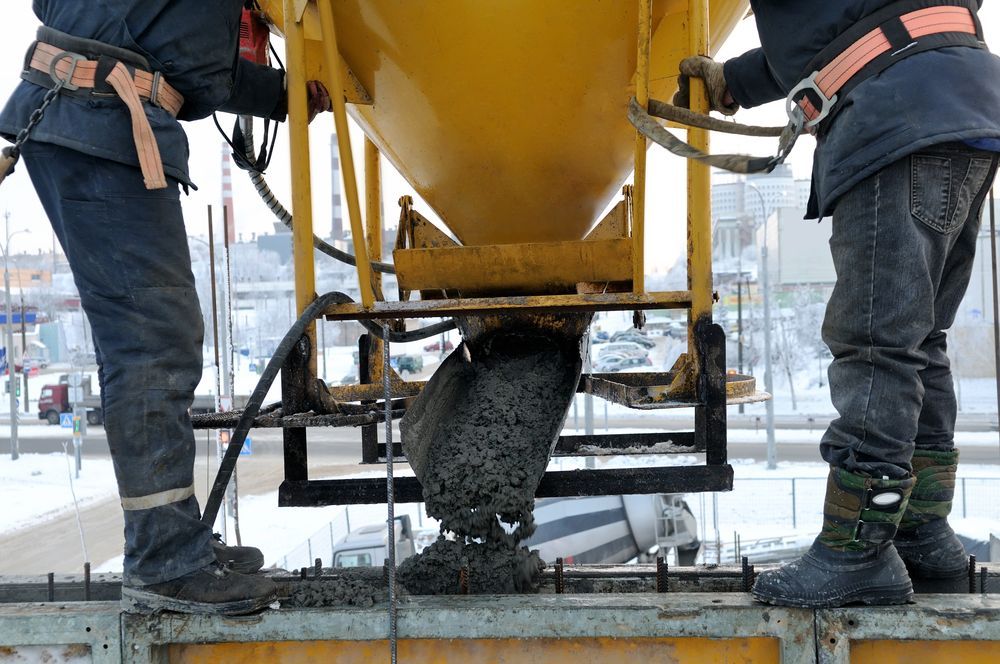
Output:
x=508 y=118
x=510 y=121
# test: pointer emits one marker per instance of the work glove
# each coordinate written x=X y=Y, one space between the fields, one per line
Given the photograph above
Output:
x=711 y=72
x=319 y=99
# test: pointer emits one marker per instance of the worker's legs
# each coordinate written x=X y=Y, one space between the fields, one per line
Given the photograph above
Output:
x=903 y=243
x=933 y=554
x=128 y=251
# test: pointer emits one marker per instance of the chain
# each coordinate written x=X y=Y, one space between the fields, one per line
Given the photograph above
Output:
x=36 y=117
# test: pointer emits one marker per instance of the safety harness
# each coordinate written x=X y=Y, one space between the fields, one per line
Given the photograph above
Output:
x=866 y=49
x=86 y=68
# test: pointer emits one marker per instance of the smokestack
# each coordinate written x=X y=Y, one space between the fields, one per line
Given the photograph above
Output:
x=337 y=211
x=227 y=194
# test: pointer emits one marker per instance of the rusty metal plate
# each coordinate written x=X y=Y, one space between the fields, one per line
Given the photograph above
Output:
x=653 y=390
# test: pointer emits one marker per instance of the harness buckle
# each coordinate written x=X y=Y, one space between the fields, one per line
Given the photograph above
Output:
x=154 y=90
x=75 y=59
x=808 y=84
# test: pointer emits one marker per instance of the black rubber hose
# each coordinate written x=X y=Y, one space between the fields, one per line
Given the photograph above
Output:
x=253 y=406
x=279 y=210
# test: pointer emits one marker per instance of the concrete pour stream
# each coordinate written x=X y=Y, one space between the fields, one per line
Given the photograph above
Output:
x=478 y=438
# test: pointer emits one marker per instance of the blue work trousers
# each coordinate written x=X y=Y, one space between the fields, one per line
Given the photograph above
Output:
x=903 y=246
x=128 y=251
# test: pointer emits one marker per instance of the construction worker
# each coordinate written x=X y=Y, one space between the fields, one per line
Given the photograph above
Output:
x=905 y=155
x=107 y=160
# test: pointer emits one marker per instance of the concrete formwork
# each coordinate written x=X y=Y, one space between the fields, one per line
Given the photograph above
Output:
x=674 y=627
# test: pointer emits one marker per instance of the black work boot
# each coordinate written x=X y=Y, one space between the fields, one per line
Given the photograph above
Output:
x=242 y=559
x=934 y=556
x=852 y=559
x=211 y=589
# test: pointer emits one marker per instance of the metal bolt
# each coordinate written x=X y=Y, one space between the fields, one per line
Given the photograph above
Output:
x=318 y=567
x=463 y=580
x=86 y=582
x=560 y=581
x=747 y=580
x=302 y=573
x=661 y=575
x=983 y=577
x=972 y=574
x=52 y=587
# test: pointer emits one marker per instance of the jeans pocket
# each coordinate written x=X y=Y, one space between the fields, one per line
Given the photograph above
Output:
x=943 y=189
x=930 y=191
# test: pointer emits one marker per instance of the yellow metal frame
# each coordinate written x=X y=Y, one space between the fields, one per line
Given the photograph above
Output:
x=332 y=56
x=639 y=191
x=298 y=140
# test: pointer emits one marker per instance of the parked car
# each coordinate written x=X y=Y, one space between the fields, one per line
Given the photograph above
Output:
x=436 y=346
x=640 y=339
x=623 y=348
x=613 y=362
x=635 y=336
x=407 y=363
x=600 y=337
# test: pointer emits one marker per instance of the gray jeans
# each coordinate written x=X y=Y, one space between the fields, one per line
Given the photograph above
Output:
x=903 y=245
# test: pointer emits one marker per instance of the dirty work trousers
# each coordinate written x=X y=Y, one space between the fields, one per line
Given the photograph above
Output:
x=128 y=251
x=903 y=246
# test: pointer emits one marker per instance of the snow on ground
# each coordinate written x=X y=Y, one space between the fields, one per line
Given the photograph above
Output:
x=39 y=487
x=766 y=506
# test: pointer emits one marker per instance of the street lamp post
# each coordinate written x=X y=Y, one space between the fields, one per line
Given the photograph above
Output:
x=772 y=454
x=12 y=380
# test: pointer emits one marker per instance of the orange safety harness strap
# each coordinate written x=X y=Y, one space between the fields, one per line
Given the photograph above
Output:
x=876 y=43
x=131 y=84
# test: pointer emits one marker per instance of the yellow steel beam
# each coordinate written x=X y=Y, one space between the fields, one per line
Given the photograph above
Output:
x=639 y=193
x=903 y=652
x=699 y=186
x=515 y=268
x=332 y=53
x=373 y=205
x=510 y=651
x=470 y=306
x=298 y=139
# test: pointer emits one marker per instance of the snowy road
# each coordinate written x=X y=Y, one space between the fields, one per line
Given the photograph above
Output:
x=343 y=446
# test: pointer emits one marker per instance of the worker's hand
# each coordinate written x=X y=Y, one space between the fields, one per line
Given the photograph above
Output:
x=711 y=72
x=319 y=99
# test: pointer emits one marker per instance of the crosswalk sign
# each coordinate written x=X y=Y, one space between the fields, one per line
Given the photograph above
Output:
x=66 y=420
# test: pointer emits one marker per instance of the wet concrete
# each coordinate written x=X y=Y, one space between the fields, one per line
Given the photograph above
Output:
x=363 y=587
x=479 y=438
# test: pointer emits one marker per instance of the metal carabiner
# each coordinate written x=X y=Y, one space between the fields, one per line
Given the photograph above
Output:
x=808 y=84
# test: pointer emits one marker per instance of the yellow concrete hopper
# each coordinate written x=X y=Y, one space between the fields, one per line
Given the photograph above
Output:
x=508 y=118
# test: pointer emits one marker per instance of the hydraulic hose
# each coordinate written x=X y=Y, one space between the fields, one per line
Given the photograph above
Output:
x=283 y=215
x=256 y=400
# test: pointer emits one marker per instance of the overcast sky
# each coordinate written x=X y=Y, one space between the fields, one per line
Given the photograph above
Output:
x=665 y=234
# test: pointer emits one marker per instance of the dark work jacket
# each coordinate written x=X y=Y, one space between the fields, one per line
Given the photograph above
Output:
x=951 y=94
x=194 y=43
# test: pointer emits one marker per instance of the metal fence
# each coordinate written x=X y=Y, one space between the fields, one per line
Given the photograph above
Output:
x=766 y=515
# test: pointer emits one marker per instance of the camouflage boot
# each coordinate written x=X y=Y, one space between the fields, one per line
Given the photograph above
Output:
x=935 y=558
x=852 y=559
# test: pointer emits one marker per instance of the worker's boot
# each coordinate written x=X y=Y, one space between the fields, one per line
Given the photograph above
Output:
x=242 y=559
x=935 y=558
x=852 y=559
x=211 y=589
